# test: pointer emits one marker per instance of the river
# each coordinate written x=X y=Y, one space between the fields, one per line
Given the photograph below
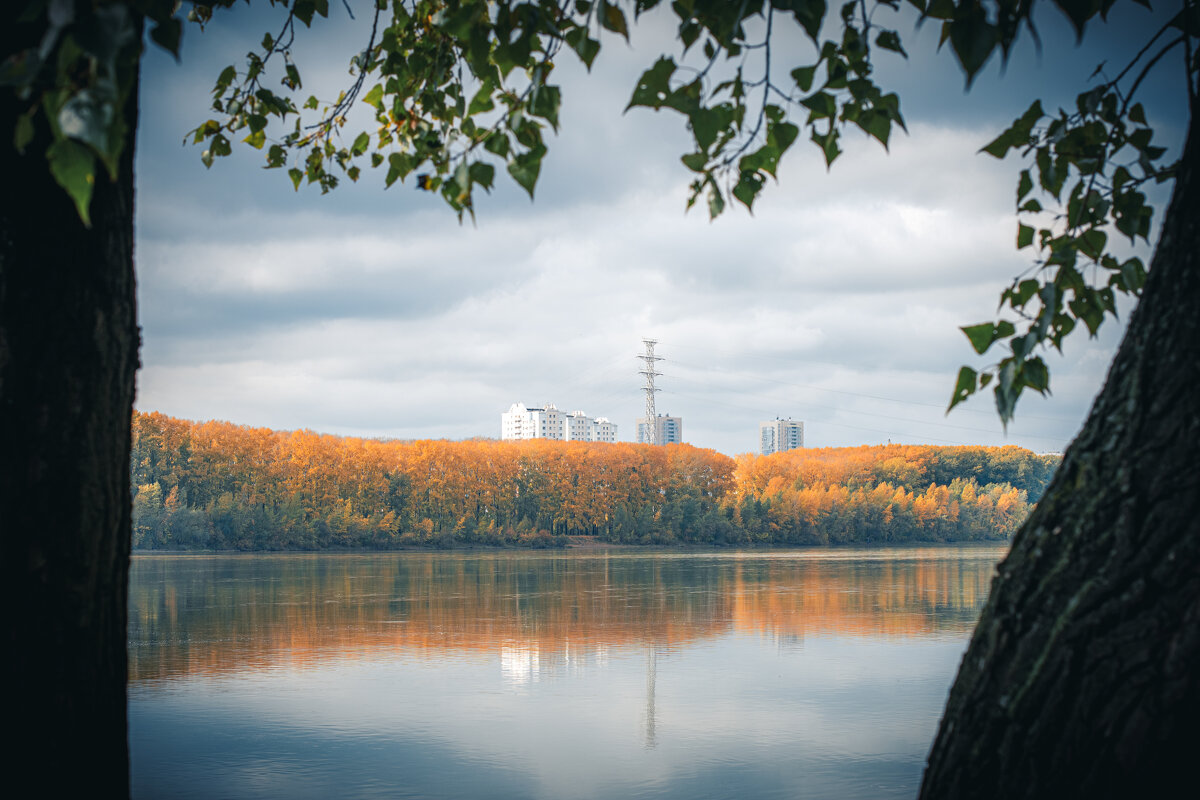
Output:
x=577 y=674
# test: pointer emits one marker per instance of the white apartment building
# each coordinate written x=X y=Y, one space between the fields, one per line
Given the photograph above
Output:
x=779 y=435
x=547 y=422
x=603 y=430
x=667 y=430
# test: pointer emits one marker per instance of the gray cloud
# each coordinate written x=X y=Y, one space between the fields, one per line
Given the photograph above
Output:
x=374 y=313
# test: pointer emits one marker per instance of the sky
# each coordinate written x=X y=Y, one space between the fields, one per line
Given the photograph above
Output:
x=373 y=312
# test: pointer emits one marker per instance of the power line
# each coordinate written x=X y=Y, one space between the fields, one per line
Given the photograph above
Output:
x=837 y=391
x=897 y=419
x=893 y=434
x=853 y=427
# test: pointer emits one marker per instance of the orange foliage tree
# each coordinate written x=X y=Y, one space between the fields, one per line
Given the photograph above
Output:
x=224 y=486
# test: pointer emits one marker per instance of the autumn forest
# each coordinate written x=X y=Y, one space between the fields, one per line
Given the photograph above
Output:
x=220 y=486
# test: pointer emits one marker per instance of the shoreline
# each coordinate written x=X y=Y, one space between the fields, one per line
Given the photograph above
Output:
x=591 y=546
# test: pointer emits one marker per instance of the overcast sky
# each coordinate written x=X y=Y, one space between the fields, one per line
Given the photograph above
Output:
x=374 y=313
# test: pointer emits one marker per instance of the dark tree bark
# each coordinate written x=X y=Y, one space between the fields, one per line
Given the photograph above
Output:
x=68 y=354
x=1083 y=676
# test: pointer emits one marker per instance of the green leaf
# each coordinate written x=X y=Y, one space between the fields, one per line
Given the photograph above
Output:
x=1079 y=12
x=973 y=39
x=803 y=76
x=685 y=99
x=361 y=143
x=296 y=176
x=375 y=97
x=1134 y=274
x=747 y=188
x=1092 y=243
x=1024 y=236
x=876 y=124
x=256 y=140
x=1026 y=289
x=890 y=40
x=545 y=104
x=964 y=387
x=304 y=10
x=482 y=101
x=206 y=130
x=458 y=188
x=23 y=133
x=613 y=18
x=227 y=76
x=695 y=161
x=73 y=166
x=1035 y=375
x=810 y=14
x=88 y=116
x=706 y=123
x=1017 y=135
x=1085 y=308
x=460 y=23
x=399 y=165
x=167 y=34
x=497 y=143
x=1007 y=390
x=584 y=46
x=1023 y=345
x=716 y=203
x=1187 y=20
x=782 y=134
x=828 y=142
x=1024 y=185
x=1049 y=177
x=689 y=32
x=821 y=105
x=483 y=174
x=524 y=168
x=981 y=336
x=654 y=86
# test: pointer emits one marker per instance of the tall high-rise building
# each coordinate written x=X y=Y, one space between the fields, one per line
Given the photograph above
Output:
x=666 y=430
x=547 y=422
x=779 y=435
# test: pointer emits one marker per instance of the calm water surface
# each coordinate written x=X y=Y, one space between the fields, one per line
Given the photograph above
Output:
x=517 y=675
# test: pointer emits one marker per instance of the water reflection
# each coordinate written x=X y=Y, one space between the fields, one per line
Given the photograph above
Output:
x=570 y=676
x=541 y=615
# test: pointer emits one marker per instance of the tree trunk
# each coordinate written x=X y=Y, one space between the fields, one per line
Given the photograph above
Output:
x=68 y=354
x=1083 y=676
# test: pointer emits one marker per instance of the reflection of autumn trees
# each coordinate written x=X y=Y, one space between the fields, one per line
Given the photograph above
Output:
x=218 y=485
x=206 y=615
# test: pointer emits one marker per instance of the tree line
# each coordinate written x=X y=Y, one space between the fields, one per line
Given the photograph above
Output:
x=216 y=485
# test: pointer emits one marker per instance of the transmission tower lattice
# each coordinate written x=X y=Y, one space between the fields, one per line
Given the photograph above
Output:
x=650 y=358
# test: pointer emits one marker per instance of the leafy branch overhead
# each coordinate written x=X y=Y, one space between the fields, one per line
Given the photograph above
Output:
x=77 y=71
x=456 y=89
x=460 y=87
x=1104 y=150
